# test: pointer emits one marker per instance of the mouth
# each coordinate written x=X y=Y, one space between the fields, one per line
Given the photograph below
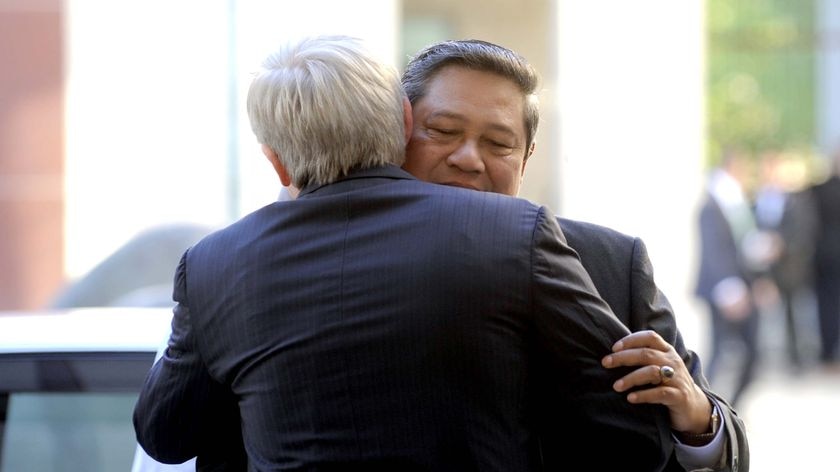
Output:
x=462 y=185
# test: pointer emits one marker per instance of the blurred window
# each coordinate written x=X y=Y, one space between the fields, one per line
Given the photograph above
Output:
x=81 y=431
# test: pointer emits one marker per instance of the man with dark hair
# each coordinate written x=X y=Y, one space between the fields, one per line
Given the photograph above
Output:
x=476 y=114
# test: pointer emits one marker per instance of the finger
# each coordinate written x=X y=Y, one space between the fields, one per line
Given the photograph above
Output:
x=643 y=376
x=659 y=395
x=638 y=357
x=639 y=339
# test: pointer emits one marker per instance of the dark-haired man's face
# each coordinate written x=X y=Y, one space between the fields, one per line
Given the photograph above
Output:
x=469 y=131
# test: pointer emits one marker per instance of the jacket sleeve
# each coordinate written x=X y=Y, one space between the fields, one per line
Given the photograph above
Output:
x=179 y=400
x=650 y=309
x=574 y=328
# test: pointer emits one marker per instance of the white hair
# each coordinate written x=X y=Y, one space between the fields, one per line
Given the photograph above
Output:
x=326 y=106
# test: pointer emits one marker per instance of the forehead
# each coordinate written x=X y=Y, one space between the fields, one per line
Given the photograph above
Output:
x=475 y=95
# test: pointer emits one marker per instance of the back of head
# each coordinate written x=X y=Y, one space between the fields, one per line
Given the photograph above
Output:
x=325 y=105
x=481 y=56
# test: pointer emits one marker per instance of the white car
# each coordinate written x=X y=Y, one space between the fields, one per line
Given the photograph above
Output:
x=69 y=380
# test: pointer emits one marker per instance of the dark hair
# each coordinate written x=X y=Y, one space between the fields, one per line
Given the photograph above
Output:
x=482 y=56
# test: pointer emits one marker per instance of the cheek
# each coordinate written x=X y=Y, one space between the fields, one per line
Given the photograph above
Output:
x=420 y=158
x=505 y=177
x=415 y=161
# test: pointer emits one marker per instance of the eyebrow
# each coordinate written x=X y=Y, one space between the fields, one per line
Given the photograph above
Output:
x=447 y=114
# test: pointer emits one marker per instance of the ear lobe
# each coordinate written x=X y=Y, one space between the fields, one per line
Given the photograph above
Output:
x=279 y=168
x=285 y=178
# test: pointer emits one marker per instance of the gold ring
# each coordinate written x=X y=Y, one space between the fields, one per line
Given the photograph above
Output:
x=666 y=373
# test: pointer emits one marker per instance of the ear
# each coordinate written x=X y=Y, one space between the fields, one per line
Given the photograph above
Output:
x=272 y=156
x=408 y=118
x=527 y=156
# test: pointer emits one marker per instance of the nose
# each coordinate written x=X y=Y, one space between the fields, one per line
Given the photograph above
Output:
x=467 y=158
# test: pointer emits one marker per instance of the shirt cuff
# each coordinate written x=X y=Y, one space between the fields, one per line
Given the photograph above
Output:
x=700 y=457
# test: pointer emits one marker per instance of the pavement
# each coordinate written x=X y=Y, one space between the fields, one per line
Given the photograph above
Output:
x=792 y=414
x=793 y=422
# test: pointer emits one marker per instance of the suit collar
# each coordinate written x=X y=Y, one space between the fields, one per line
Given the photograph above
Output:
x=358 y=179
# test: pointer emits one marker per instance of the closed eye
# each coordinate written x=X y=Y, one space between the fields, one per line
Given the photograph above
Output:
x=501 y=145
x=442 y=131
x=499 y=148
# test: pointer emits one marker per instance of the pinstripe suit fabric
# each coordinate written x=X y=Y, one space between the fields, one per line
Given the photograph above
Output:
x=623 y=274
x=381 y=323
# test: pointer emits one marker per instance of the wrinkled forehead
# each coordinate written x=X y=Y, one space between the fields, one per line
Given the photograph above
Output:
x=459 y=69
x=457 y=86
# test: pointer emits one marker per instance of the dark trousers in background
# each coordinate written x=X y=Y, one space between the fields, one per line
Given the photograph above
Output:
x=744 y=331
x=827 y=288
x=788 y=305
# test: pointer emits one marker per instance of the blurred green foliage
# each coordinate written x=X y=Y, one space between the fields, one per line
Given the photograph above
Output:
x=761 y=73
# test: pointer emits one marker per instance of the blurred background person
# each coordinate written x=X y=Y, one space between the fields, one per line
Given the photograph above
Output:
x=826 y=197
x=725 y=277
x=784 y=211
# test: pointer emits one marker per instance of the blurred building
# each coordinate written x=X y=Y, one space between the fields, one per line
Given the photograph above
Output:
x=31 y=151
x=121 y=115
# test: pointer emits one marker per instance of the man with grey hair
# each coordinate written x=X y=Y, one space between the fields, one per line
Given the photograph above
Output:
x=476 y=114
x=376 y=322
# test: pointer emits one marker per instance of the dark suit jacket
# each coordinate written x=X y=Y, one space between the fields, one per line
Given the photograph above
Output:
x=826 y=197
x=381 y=323
x=720 y=256
x=623 y=274
x=797 y=228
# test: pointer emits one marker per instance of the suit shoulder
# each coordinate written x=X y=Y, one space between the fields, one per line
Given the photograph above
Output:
x=229 y=235
x=460 y=198
x=590 y=233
